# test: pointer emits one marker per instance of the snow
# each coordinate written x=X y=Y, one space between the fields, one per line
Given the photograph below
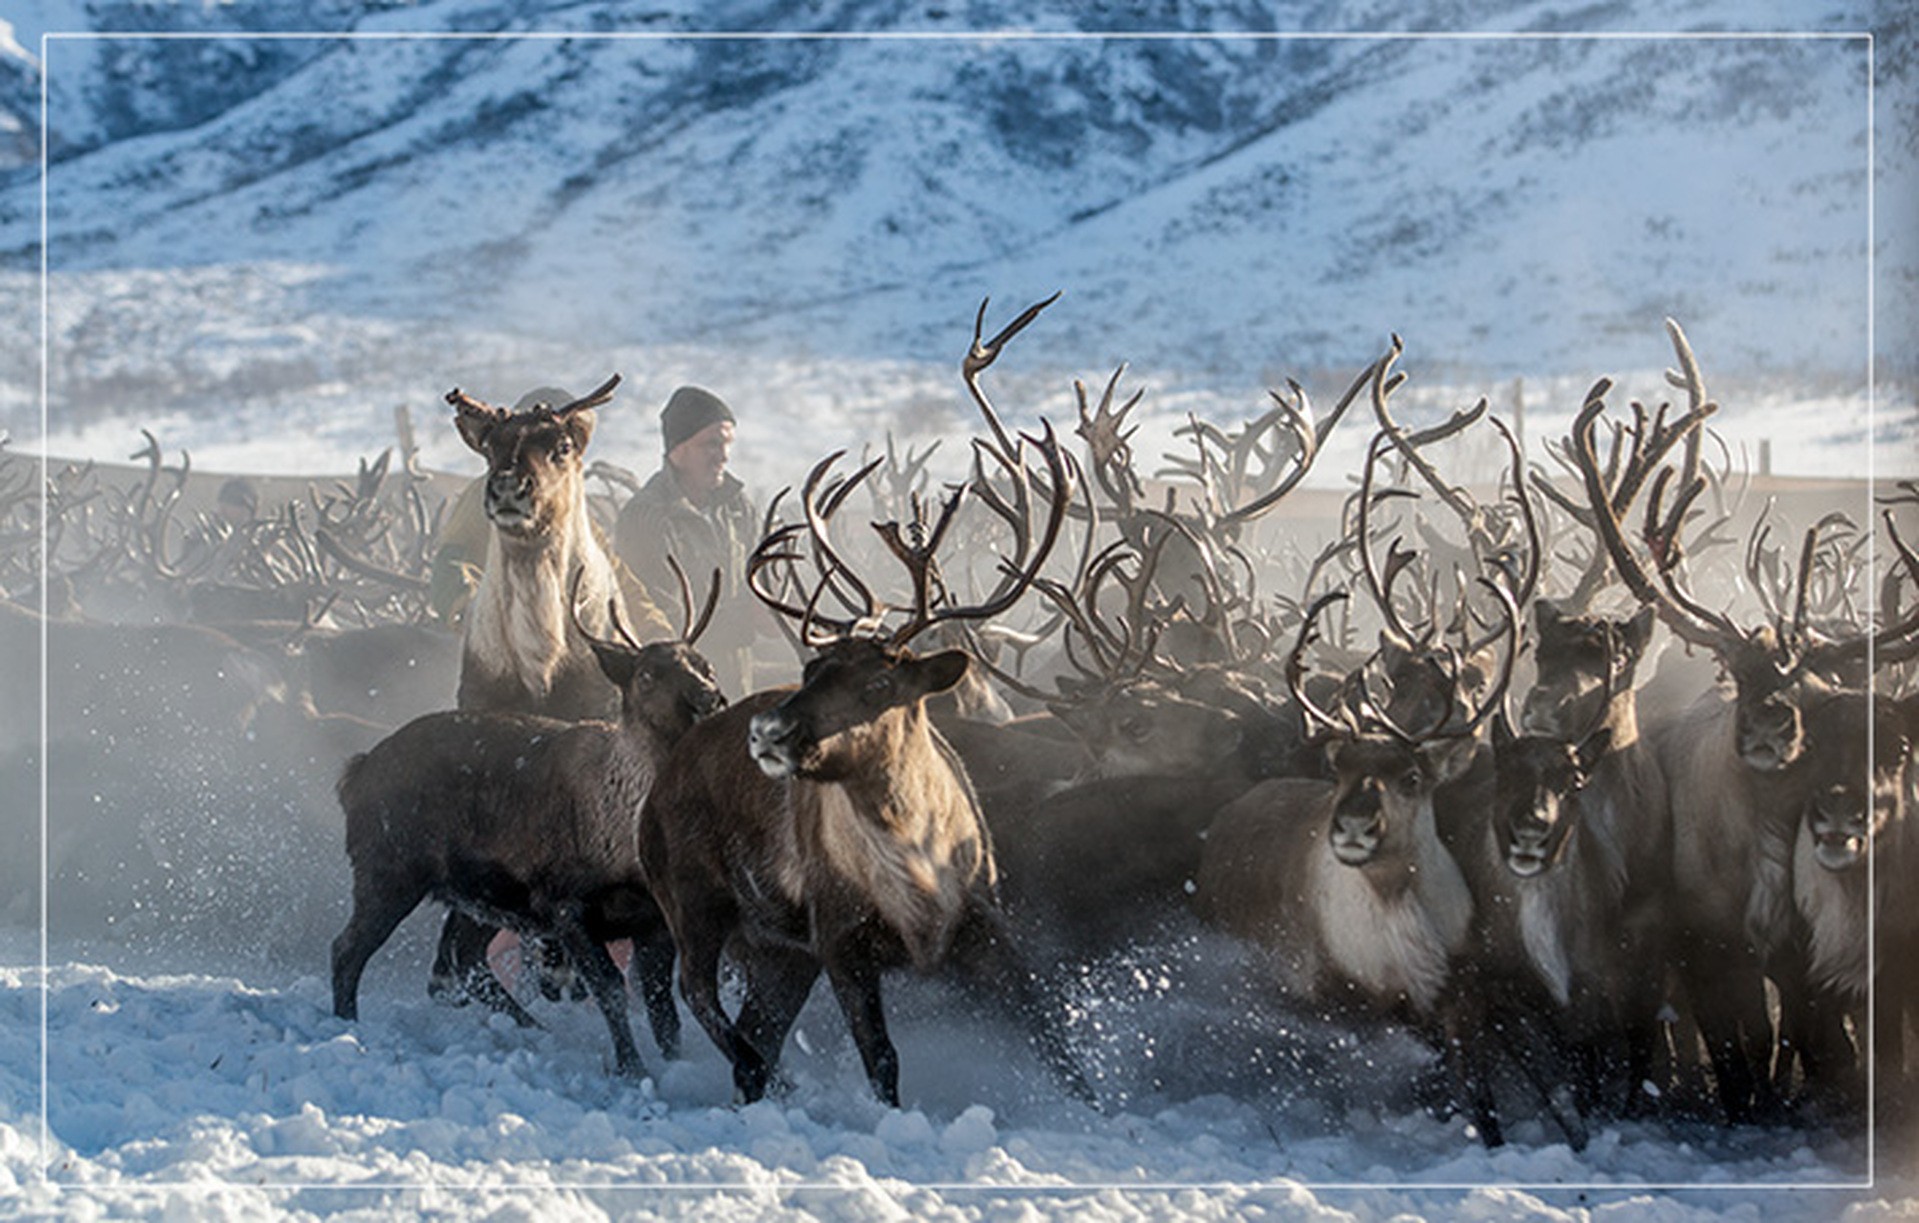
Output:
x=174 y=1093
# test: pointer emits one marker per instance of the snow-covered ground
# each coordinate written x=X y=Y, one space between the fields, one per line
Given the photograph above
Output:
x=174 y=1093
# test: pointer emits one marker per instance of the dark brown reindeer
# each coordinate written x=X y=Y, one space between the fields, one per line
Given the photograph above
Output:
x=1346 y=882
x=830 y=827
x=522 y=650
x=529 y=824
x=1855 y=857
x=1577 y=855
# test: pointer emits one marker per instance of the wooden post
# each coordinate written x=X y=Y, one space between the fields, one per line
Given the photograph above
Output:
x=1519 y=414
x=403 y=425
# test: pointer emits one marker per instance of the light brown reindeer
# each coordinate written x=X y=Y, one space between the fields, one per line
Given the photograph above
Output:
x=830 y=827
x=522 y=651
x=1734 y=768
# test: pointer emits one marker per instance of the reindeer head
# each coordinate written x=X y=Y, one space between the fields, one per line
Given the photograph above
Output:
x=665 y=686
x=1384 y=774
x=845 y=693
x=1854 y=799
x=1769 y=686
x=534 y=465
x=1381 y=784
x=864 y=689
x=1584 y=661
x=1141 y=725
x=1537 y=781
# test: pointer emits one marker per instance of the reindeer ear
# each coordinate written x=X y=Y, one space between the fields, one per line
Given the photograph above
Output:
x=938 y=672
x=1503 y=735
x=1639 y=631
x=474 y=430
x=1909 y=718
x=580 y=424
x=617 y=662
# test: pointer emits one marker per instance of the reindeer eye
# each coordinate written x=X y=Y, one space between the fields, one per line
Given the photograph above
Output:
x=562 y=448
x=1407 y=783
x=879 y=685
x=1134 y=728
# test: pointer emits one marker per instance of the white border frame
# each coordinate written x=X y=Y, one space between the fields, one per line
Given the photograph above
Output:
x=1076 y=1188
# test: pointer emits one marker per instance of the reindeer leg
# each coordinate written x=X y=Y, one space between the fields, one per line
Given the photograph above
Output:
x=855 y=977
x=700 y=938
x=461 y=973
x=1466 y=1039
x=1728 y=1004
x=985 y=953
x=606 y=984
x=379 y=906
x=653 y=969
x=447 y=984
x=778 y=981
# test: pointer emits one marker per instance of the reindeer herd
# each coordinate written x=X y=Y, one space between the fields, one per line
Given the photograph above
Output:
x=1585 y=774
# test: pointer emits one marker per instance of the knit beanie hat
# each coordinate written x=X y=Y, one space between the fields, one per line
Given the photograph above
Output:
x=689 y=410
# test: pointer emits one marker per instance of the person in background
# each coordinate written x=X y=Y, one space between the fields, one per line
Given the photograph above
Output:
x=237 y=502
x=696 y=511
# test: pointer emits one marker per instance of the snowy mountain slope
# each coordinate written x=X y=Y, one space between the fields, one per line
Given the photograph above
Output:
x=1221 y=210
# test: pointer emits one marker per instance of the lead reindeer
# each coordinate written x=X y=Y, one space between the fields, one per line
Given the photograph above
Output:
x=1579 y=847
x=830 y=827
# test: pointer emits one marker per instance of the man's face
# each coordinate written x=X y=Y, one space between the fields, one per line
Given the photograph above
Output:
x=700 y=460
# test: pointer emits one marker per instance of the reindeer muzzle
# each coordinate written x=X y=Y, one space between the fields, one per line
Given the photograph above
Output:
x=1355 y=836
x=1838 y=840
x=1532 y=838
x=509 y=502
x=773 y=739
x=1528 y=855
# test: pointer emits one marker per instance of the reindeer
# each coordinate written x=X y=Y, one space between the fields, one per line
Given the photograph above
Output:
x=1854 y=858
x=830 y=827
x=528 y=823
x=1575 y=860
x=522 y=650
x=1346 y=882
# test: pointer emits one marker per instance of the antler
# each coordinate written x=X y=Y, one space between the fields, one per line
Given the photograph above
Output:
x=692 y=626
x=913 y=545
x=982 y=354
x=1020 y=570
x=1317 y=720
x=1682 y=613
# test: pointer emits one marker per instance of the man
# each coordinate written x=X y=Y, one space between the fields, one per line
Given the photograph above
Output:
x=694 y=510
